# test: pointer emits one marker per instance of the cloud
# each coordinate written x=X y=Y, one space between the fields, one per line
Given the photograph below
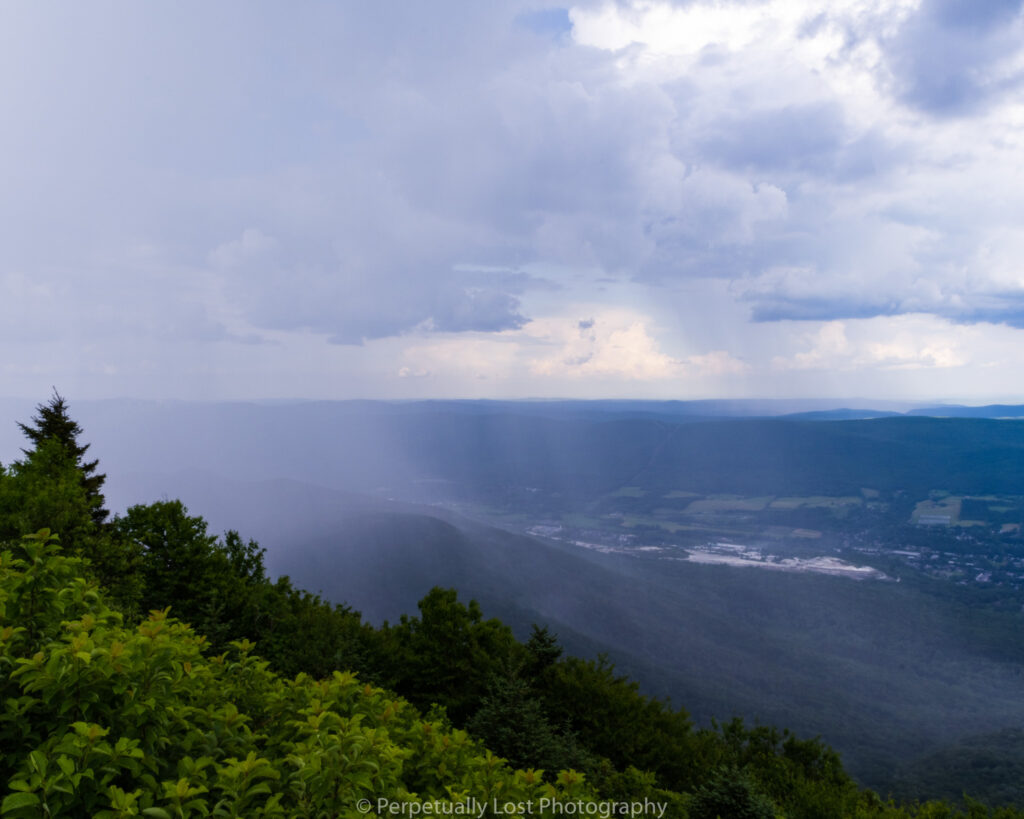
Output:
x=799 y=141
x=902 y=343
x=551 y=22
x=345 y=298
x=492 y=357
x=340 y=175
x=713 y=225
x=904 y=273
x=827 y=347
x=954 y=57
x=793 y=137
x=618 y=344
x=477 y=309
x=615 y=345
x=145 y=305
x=717 y=362
x=810 y=107
x=252 y=248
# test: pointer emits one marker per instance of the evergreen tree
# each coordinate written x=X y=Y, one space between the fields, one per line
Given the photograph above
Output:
x=52 y=422
x=543 y=650
x=511 y=722
x=730 y=793
x=43 y=491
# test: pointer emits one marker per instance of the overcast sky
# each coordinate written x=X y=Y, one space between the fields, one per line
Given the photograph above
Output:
x=512 y=199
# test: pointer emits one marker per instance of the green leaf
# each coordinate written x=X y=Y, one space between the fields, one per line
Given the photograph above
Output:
x=37 y=759
x=159 y=813
x=16 y=801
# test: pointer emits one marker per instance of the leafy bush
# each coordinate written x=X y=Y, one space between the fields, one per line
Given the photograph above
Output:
x=107 y=721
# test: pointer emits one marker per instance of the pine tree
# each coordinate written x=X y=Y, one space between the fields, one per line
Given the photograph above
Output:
x=52 y=421
x=543 y=650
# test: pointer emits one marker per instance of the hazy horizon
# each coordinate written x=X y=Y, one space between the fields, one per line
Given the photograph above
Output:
x=837 y=401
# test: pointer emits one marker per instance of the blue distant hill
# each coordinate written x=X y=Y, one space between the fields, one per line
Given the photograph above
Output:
x=844 y=414
x=989 y=411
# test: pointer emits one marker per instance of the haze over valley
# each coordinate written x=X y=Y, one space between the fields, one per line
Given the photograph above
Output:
x=862 y=580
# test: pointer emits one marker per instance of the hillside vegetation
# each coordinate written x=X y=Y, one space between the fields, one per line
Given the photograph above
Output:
x=113 y=706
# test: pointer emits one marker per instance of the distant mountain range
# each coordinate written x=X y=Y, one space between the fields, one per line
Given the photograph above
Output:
x=218 y=423
x=570 y=453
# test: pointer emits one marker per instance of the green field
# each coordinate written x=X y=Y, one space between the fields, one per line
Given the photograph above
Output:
x=633 y=521
x=940 y=504
x=815 y=502
x=728 y=503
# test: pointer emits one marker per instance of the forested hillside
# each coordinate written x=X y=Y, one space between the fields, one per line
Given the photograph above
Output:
x=273 y=701
x=579 y=450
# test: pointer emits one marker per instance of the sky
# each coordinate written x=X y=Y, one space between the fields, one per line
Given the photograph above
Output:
x=511 y=199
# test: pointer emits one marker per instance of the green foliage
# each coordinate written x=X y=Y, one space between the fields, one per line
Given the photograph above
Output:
x=108 y=721
x=543 y=651
x=510 y=720
x=45 y=489
x=52 y=423
x=220 y=587
x=52 y=487
x=805 y=775
x=993 y=765
x=180 y=562
x=612 y=719
x=730 y=793
x=449 y=654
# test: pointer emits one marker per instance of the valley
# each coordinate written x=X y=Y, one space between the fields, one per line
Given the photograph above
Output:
x=871 y=536
x=859 y=580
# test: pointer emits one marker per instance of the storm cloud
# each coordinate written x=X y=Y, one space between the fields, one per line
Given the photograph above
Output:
x=954 y=57
x=239 y=176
